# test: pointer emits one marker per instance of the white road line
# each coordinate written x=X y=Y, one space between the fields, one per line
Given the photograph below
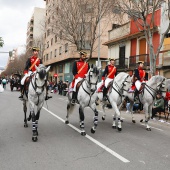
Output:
x=92 y=139
x=153 y=127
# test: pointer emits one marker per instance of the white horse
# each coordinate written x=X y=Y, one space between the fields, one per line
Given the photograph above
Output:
x=35 y=94
x=86 y=97
x=147 y=97
x=115 y=96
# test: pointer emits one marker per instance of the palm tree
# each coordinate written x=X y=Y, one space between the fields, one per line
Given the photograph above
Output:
x=1 y=42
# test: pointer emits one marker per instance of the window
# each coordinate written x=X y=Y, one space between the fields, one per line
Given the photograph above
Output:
x=55 y=53
x=60 y=69
x=48 y=32
x=48 y=44
x=46 y=57
x=60 y=50
x=66 y=47
x=60 y=35
x=51 y=41
x=55 y=38
x=51 y=54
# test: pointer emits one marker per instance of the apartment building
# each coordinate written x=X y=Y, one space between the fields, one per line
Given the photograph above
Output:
x=60 y=54
x=35 y=29
x=129 y=45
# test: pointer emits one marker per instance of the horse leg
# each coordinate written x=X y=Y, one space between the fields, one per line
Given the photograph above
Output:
x=147 y=117
x=131 y=111
x=146 y=110
x=34 y=128
x=81 y=114
x=69 y=109
x=25 y=113
x=117 y=114
x=95 y=119
x=104 y=114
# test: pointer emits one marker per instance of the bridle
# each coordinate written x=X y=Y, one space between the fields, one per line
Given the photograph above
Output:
x=89 y=83
x=34 y=85
x=119 y=89
x=154 y=91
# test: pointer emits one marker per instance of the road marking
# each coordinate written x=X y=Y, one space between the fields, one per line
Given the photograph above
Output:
x=153 y=127
x=92 y=139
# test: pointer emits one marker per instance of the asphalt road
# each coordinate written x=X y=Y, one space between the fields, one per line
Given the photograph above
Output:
x=61 y=147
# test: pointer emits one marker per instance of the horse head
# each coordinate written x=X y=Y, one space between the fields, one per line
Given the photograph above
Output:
x=92 y=77
x=40 y=77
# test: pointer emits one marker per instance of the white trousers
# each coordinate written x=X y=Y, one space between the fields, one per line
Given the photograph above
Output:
x=138 y=84
x=107 y=81
x=25 y=76
x=75 y=83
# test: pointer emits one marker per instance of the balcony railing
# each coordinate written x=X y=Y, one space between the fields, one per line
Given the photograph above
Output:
x=134 y=59
x=121 y=64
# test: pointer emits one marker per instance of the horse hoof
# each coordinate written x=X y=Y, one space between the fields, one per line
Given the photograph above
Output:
x=66 y=122
x=103 y=118
x=29 y=118
x=25 y=125
x=119 y=129
x=133 y=121
x=83 y=133
x=114 y=127
x=141 y=120
x=34 y=139
x=148 y=129
x=121 y=120
x=92 y=130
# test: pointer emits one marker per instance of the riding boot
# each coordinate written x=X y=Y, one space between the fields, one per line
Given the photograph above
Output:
x=22 y=92
x=74 y=97
x=136 y=94
x=104 y=94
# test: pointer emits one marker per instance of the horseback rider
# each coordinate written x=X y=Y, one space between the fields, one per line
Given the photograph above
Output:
x=30 y=68
x=139 y=77
x=80 y=69
x=108 y=75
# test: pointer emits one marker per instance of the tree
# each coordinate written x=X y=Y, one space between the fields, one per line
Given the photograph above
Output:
x=76 y=21
x=142 y=12
x=1 y=42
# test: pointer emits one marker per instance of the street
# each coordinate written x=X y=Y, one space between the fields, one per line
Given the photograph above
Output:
x=61 y=147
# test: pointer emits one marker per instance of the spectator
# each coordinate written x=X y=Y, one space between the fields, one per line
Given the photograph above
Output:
x=135 y=105
x=60 y=87
x=158 y=105
x=4 y=81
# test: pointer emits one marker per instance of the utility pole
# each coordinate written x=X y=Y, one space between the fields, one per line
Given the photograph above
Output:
x=99 y=34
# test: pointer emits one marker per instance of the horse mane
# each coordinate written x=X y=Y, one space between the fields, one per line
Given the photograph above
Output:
x=120 y=77
x=156 y=78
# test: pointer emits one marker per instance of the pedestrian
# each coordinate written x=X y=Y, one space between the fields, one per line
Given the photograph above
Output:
x=80 y=69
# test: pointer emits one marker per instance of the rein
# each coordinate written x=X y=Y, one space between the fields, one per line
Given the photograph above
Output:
x=150 y=89
x=88 y=83
x=34 y=85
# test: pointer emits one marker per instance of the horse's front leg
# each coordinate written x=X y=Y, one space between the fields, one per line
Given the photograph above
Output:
x=25 y=113
x=70 y=108
x=34 y=129
x=95 y=119
x=146 y=109
x=81 y=115
x=117 y=114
